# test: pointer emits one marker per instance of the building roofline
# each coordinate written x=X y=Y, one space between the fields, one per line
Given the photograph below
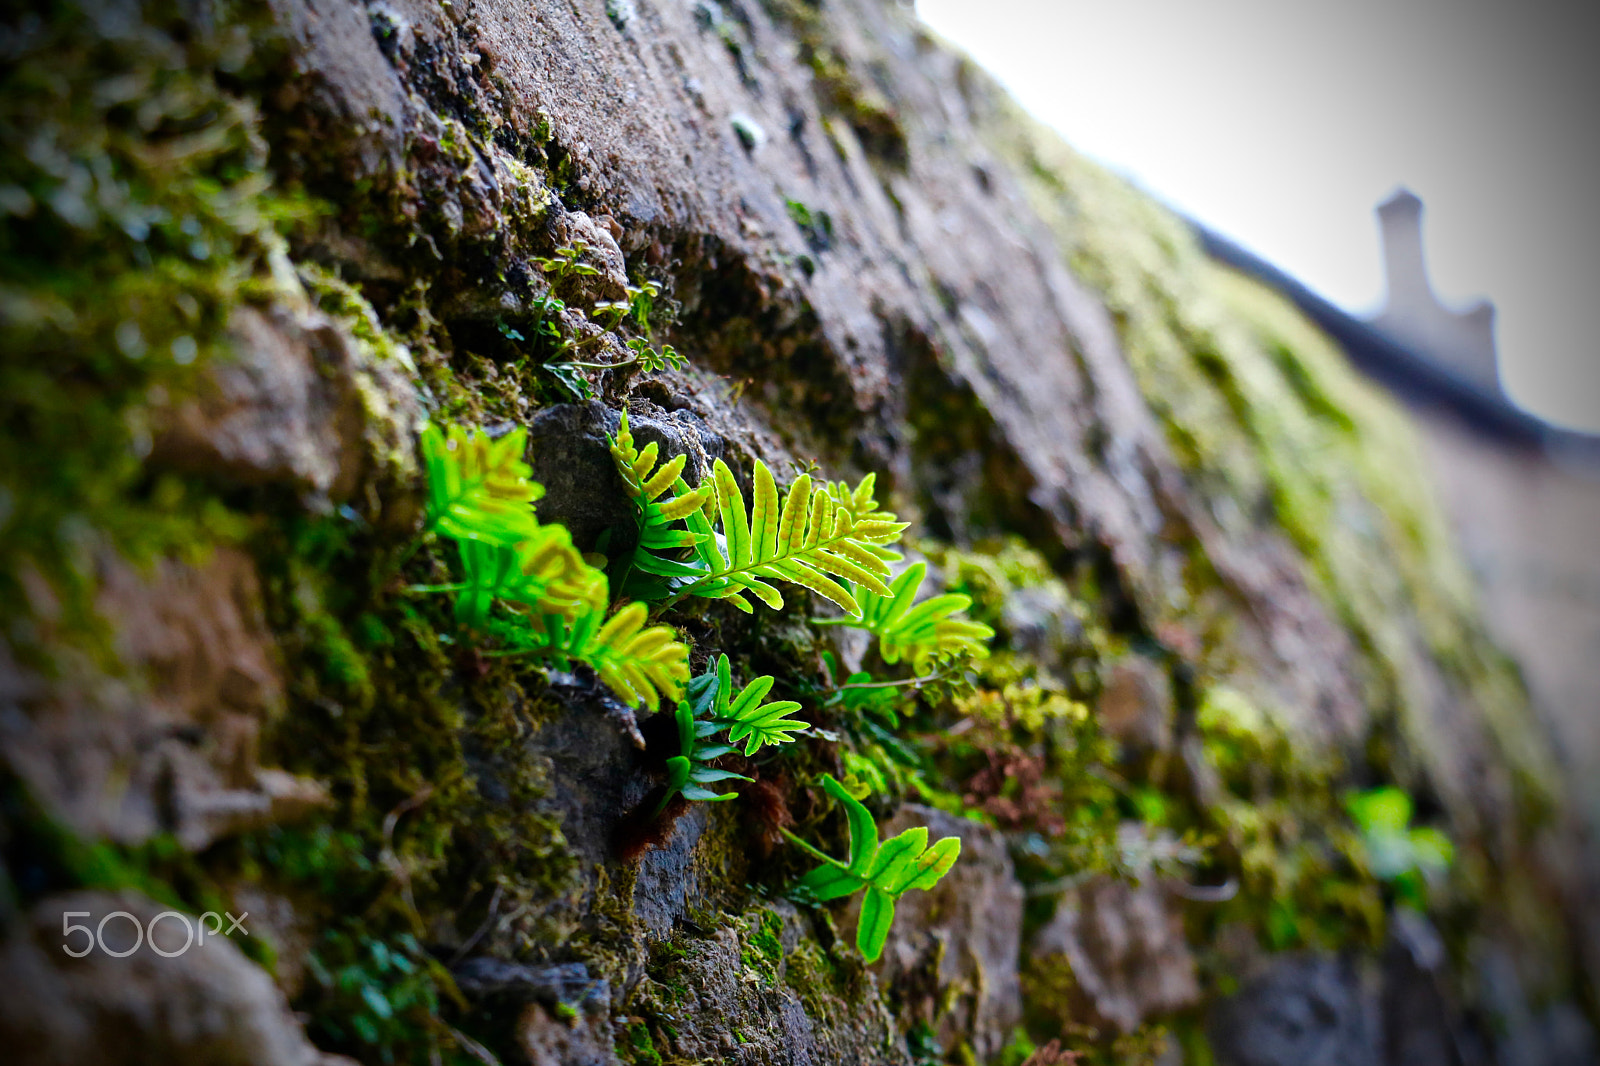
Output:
x=1409 y=373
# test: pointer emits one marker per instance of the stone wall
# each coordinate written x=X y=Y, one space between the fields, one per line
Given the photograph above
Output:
x=251 y=249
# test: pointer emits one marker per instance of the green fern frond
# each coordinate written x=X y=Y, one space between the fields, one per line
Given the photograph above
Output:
x=478 y=489
x=821 y=536
x=744 y=716
x=641 y=664
x=810 y=540
x=921 y=632
x=479 y=494
x=688 y=771
x=544 y=571
x=887 y=871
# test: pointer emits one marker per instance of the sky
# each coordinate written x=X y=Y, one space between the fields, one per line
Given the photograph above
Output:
x=1282 y=125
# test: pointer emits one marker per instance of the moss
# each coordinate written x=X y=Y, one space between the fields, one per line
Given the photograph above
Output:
x=761 y=948
x=139 y=215
x=840 y=86
x=1049 y=988
x=1276 y=432
x=638 y=1047
x=438 y=800
x=1268 y=418
x=1283 y=833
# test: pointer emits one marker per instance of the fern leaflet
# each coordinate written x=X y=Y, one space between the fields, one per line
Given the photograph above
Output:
x=641 y=664
x=688 y=772
x=543 y=572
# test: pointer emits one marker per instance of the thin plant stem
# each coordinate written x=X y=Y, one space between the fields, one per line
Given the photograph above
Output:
x=600 y=366
x=917 y=681
x=454 y=586
x=544 y=309
x=813 y=852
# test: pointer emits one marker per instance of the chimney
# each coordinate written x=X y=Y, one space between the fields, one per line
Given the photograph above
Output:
x=1404 y=269
x=1462 y=343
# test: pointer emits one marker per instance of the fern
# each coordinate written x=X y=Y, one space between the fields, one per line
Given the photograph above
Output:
x=650 y=359
x=688 y=772
x=544 y=572
x=649 y=483
x=887 y=870
x=920 y=632
x=478 y=489
x=744 y=716
x=811 y=540
x=641 y=664
x=479 y=495
x=819 y=534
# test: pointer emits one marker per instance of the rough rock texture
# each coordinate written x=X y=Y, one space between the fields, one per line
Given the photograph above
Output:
x=176 y=753
x=250 y=246
x=1122 y=953
x=157 y=998
x=956 y=947
x=1305 y=1009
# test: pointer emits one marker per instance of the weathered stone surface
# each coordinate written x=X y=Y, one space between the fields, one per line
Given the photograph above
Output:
x=547 y=1041
x=1114 y=955
x=1305 y=1010
x=1136 y=706
x=268 y=415
x=872 y=263
x=207 y=1003
x=728 y=1010
x=171 y=745
x=954 y=948
x=298 y=402
x=1041 y=622
x=1419 y=1022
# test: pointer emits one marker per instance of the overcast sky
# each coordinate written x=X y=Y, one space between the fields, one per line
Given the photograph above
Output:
x=1283 y=124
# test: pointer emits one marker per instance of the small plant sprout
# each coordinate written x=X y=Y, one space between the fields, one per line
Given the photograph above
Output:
x=651 y=360
x=1395 y=852
x=688 y=772
x=887 y=870
x=744 y=716
x=642 y=303
x=645 y=358
x=921 y=632
x=566 y=262
x=712 y=707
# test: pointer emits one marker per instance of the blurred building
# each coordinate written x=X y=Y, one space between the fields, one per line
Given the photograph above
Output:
x=1523 y=495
